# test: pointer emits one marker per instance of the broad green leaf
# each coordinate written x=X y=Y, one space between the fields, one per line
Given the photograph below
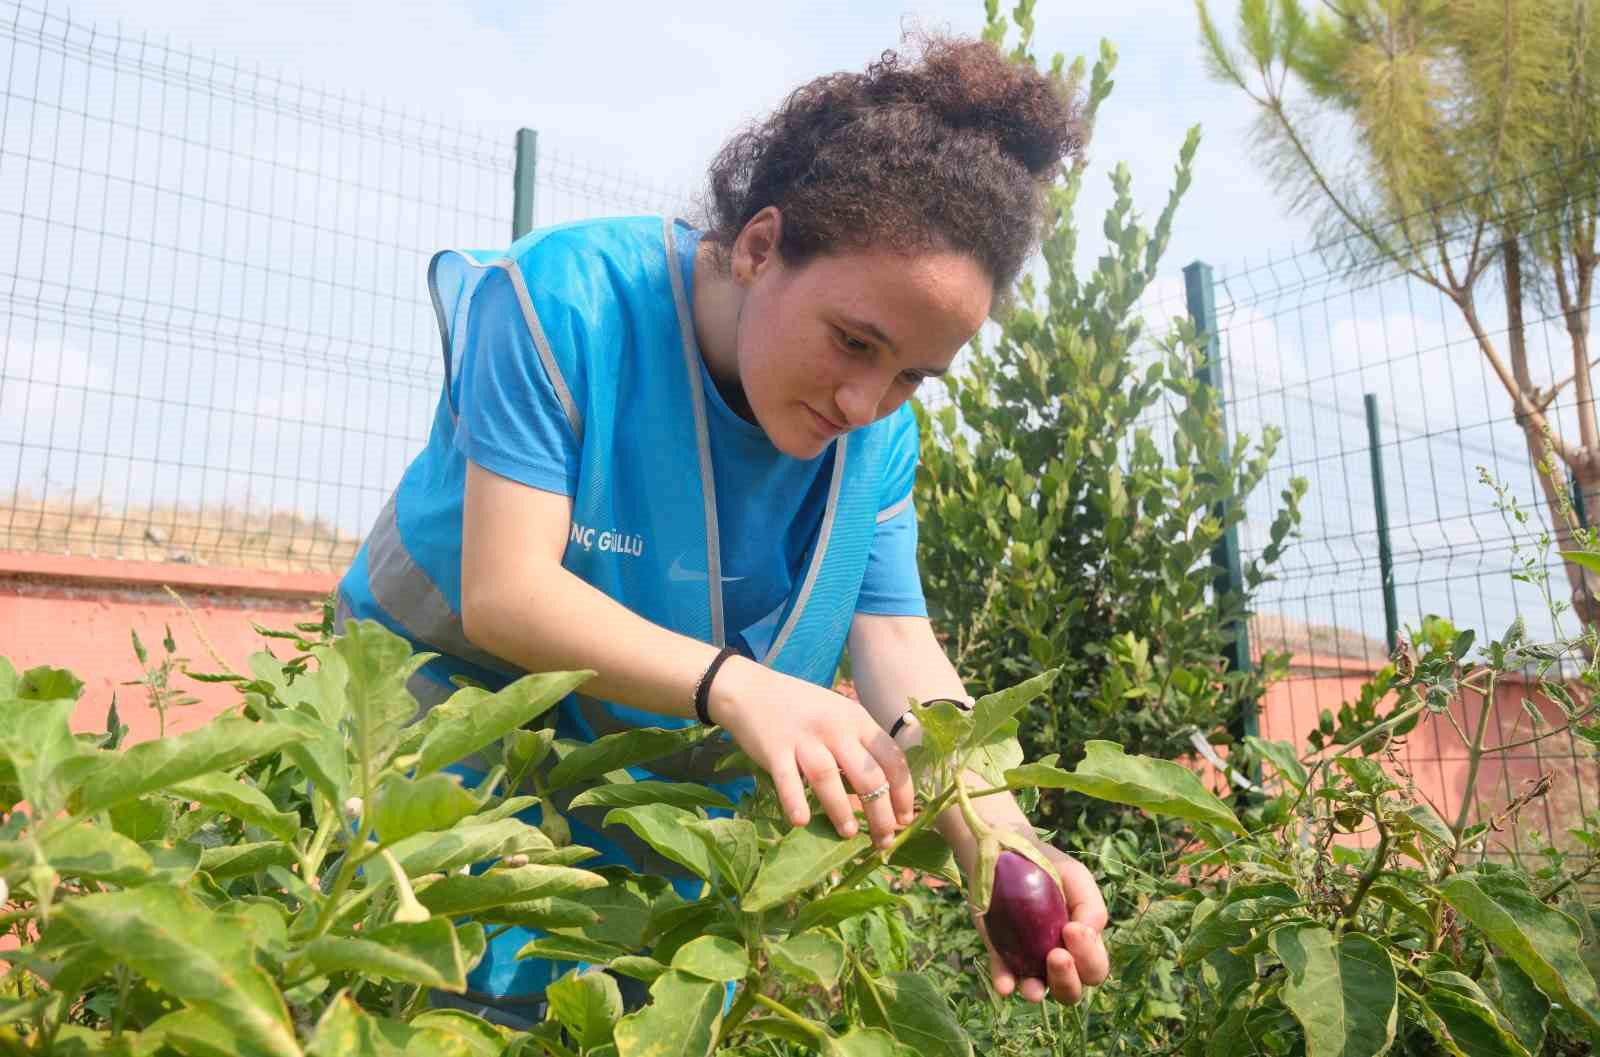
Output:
x=448 y=1032
x=686 y=795
x=44 y=756
x=781 y=1028
x=1281 y=755
x=319 y=750
x=817 y=957
x=8 y=679
x=929 y=853
x=1584 y=558
x=175 y=864
x=238 y=800
x=804 y=856
x=910 y=1008
x=712 y=958
x=223 y=743
x=669 y=830
x=261 y=919
x=372 y=665
x=96 y=854
x=172 y=939
x=624 y=906
x=12 y=1010
x=630 y=748
x=864 y=1042
x=733 y=848
x=470 y=842
x=1524 y=1005
x=404 y=807
x=681 y=1020
x=564 y=948
x=837 y=906
x=945 y=728
x=474 y=718
x=1423 y=819
x=1157 y=786
x=1343 y=992
x=425 y=953
x=588 y=1003
x=194 y=1032
x=235 y=860
x=547 y=913
x=347 y=1030
x=1465 y=1022
x=1230 y=1038
x=145 y=819
x=993 y=712
x=49 y=684
x=1234 y=921
x=995 y=757
x=1540 y=939
x=457 y=895
x=638 y=967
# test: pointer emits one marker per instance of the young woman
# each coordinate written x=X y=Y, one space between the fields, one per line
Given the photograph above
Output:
x=684 y=458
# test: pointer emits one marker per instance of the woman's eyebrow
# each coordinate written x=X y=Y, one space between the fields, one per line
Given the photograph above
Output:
x=871 y=330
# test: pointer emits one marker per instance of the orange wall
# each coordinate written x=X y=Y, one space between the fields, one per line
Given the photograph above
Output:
x=77 y=613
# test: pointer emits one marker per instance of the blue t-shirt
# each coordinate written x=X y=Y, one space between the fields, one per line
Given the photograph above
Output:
x=769 y=505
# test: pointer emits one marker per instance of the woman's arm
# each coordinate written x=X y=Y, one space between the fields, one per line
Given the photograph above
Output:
x=895 y=659
x=519 y=603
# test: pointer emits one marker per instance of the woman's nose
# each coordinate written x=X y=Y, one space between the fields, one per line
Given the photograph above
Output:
x=859 y=400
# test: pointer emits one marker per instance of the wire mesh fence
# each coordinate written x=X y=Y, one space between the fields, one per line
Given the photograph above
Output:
x=215 y=338
x=1393 y=407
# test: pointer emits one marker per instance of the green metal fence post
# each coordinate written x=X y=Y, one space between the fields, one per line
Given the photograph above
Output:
x=1380 y=505
x=1199 y=287
x=522 y=188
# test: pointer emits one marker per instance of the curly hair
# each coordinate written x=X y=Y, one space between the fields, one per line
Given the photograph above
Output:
x=950 y=151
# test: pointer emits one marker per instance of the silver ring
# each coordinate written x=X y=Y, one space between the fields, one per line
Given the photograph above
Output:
x=873 y=794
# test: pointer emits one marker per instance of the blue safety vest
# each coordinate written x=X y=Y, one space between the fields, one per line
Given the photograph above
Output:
x=608 y=311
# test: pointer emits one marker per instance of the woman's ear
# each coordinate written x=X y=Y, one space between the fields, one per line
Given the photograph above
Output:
x=756 y=248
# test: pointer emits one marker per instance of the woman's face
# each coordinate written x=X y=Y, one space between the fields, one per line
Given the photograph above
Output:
x=844 y=339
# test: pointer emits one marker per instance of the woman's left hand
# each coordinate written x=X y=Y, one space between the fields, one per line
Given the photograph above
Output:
x=1080 y=960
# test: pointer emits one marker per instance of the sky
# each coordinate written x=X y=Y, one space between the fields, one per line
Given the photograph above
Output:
x=232 y=311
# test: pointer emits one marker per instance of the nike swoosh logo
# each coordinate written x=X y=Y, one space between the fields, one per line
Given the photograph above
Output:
x=678 y=574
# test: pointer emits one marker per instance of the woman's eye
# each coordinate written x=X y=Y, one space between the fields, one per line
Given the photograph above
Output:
x=852 y=343
x=912 y=377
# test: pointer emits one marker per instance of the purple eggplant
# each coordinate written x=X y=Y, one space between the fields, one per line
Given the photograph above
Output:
x=1026 y=914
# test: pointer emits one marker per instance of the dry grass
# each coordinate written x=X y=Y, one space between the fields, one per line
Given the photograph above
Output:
x=278 y=541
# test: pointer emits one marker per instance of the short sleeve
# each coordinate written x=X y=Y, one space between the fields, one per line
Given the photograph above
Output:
x=512 y=421
x=892 y=585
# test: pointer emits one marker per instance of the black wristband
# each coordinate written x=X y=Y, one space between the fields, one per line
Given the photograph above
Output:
x=702 y=689
x=901 y=722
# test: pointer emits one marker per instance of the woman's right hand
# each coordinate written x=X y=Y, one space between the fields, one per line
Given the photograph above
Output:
x=802 y=734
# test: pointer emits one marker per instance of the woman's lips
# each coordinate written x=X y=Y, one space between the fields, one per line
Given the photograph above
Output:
x=827 y=425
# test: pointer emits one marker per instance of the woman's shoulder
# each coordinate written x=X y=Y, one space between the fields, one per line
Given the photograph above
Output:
x=592 y=257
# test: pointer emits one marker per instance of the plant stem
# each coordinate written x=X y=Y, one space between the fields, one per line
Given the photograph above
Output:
x=1370 y=874
x=741 y=1009
x=1474 y=757
x=881 y=856
x=788 y=1014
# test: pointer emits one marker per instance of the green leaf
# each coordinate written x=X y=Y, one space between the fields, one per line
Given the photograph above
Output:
x=319 y=750
x=712 y=958
x=49 y=684
x=1540 y=939
x=1524 y=1005
x=458 y=895
x=238 y=800
x=1281 y=755
x=1464 y=1022
x=930 y=853
x=669 y=830
x=473 y=718
x=366 y=671
x=992 y=712
x=815 y=957
x=589 y=1004
x=788 y=1030
x=547 y=914
x=838 y=906
x=236 y=860
x=630 y=748
x=425 y=953
x=1584 y=558
x=864 y=1042
x=1236 y=919
x=638 y=967
x=624 y=906
x=910 y=1008
x=681 y=1021
x=564 y=948
x=1157 y=786
x=470 y=842
x=96 y=854
x=1343 y=992
x=733 y=848
x=177 y=943
x=404 y=807
x=222 y=744
x=801 y=859
x=687 y=795
x=194 y=1032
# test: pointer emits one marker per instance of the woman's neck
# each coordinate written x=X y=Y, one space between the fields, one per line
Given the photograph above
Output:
x=715 y=305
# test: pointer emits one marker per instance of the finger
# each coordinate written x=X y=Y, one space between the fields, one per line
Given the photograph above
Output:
x=1084 y=902
x=1065 y=984
x=822 y=774
x=866 y=776
x=1088 y=952
x=1033 y=989
x=902 y=792
x=791 y=791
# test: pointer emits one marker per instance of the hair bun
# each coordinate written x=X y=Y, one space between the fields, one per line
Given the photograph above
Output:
x=971 y=86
